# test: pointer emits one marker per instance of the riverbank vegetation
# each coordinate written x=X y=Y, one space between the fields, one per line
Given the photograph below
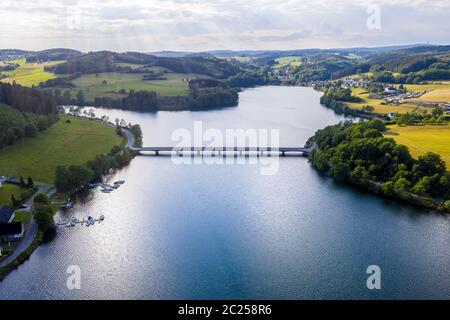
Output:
x=360 y=154
x=69 y=179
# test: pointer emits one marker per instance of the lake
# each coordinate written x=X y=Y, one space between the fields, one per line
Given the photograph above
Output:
x=229 y=232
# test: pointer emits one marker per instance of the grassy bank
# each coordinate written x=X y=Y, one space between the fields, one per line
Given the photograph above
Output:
x=423 y=139
x=62 y=144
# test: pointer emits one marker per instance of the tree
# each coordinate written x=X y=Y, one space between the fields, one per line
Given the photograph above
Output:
x=43 y=214
x=436 y=112
x=80 y=98
x=41 y=198
x=22 y=182
x=14 y=201
x=30 y=183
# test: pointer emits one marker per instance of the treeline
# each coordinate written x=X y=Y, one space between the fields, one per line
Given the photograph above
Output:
x=95 y=62
x=249 y=78
x=425 y=69
x=360 y=154
x=27 y=99
x=73 y=178
x=336 y=99
x=15 y=125
x=210 y=98
x=136 y=101
x=105 y=61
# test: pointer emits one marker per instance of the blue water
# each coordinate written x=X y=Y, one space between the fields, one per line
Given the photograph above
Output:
x=228 y=232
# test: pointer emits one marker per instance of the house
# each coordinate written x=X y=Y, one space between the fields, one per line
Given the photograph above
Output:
x=11 y=231
x=392 y=115
x=392 y=90
x=6 y=215
x=2 y=181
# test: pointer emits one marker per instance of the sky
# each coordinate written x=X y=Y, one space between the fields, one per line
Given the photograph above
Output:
x=201 y=25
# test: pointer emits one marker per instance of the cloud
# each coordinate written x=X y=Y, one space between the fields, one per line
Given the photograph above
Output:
x=288 y=37
x=198 y=25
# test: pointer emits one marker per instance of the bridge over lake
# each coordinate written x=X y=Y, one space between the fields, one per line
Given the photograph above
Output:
x=260 y=151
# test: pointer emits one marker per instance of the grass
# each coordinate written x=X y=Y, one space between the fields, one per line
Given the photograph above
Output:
x=92 y=85
x=62 y=144
x=29 y=74
x=422 y=139
x=288 y=61
x=7 y=190
x=379 y=107
x=23 y=216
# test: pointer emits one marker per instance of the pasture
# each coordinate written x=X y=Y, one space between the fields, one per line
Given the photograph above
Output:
x=62 y=144
x=423 y=138
x=29 y=74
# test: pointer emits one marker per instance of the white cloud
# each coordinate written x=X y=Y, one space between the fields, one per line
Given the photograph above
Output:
x=147 y=25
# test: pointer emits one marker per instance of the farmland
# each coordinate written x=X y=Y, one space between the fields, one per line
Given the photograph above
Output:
x=29 y=74
x=292 y=61
x=422 y=139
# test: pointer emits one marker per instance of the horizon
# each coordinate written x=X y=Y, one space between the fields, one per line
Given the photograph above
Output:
x=199 y=26
x=240 y=50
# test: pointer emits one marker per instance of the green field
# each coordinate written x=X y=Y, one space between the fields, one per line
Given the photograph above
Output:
x=7 y=190
x=29 y=74
x=93 y=85
x=422 y=139
x=292 y=61
x=62 y=144
x=23 y=216
x=379 y=107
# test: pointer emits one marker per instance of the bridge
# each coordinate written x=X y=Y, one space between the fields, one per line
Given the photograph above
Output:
x=260 y=151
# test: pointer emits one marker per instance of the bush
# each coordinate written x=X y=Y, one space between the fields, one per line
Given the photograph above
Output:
x=41 y=198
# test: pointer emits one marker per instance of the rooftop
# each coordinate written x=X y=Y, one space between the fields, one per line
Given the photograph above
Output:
x=11 y=229
x=5 y=214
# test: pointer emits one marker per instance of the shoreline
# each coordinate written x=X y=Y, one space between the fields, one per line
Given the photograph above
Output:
x=15 y=259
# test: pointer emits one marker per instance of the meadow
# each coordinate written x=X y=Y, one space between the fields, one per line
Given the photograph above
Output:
x=7 y=190
x=422 y=139
x=109 y=84
x=292 y=61
x=62 y=144
x=29 y=74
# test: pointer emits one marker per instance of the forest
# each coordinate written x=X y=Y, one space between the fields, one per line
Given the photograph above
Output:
x=360 y=154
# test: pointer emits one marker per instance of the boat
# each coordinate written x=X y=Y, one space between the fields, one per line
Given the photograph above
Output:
x=67 y=205
x=73 y=221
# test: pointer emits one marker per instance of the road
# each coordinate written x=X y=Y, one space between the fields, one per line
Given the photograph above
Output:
x=130 y=137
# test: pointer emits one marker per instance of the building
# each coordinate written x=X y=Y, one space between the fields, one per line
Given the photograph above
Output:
x=392 y=90
x=6 y=215
x=11 y=231
x=2 y=181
